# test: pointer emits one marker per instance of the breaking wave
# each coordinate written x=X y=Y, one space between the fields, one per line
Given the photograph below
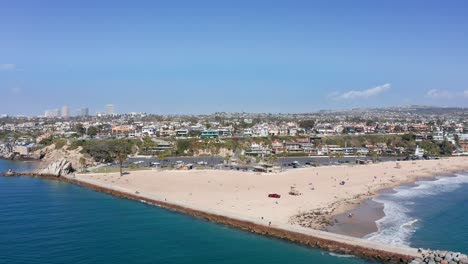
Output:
x=398 y=226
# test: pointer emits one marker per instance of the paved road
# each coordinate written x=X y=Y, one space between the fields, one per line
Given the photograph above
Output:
x=150 y=162
x=217 y=162
x=326 y=160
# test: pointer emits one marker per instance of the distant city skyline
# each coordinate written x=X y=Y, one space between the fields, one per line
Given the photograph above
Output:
x=66 y=111
x=199 y=57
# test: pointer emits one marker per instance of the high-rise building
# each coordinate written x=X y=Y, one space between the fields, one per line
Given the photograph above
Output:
x=52 y=113
x=110 y=109
x=65 y=111
x=84 y=111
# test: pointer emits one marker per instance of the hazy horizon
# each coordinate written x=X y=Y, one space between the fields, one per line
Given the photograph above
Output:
x=210 y=56
x=75 y=112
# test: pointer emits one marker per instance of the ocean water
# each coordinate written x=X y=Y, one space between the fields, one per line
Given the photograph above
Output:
x=46 y=221
x=429 y=214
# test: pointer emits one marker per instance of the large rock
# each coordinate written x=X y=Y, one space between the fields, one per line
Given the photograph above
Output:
x=9 y=156
x=59 y=168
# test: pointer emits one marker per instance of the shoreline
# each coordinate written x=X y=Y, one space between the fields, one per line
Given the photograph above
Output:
x=186 y=191
x=365 y=215
x=362 y=222
x=340 y=209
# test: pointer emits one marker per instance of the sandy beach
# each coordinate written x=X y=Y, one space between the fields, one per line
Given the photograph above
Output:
x=246 y=194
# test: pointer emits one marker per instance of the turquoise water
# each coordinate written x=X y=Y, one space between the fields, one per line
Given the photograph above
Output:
x=45 y=221
x=430 y=214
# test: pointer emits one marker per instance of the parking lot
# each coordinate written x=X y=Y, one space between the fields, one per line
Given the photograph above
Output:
x=218 y=162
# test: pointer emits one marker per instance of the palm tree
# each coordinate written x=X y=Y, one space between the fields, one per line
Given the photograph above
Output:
x=121 y=152
x=121 y=157
x=82 y=163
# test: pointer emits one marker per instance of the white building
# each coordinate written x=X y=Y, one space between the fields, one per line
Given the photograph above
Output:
x=52 y=113
x=65 y=111
x=419 y=152
x=438 y=136
x=148 y=130
x=110 y=109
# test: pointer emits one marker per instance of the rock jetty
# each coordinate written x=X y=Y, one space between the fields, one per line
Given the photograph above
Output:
x=442 y=257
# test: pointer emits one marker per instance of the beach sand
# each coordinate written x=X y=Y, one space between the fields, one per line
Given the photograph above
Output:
x=322 y=197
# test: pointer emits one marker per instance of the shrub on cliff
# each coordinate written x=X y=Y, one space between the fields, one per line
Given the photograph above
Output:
x=59 y=143
x=105 y=150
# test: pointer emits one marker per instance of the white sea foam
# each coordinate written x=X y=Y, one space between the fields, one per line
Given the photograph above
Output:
x=397 y=226
x=341 y=255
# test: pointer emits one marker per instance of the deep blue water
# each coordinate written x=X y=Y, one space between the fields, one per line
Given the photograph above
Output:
x=431 y=214
x=46 y=221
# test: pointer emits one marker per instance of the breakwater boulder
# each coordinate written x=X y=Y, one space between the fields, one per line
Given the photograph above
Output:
x=10 y=172
x=442 y=257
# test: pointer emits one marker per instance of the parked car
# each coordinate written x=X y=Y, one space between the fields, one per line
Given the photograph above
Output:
x=274 y=195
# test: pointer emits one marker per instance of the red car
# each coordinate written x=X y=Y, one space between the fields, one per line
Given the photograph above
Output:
x=274 y=195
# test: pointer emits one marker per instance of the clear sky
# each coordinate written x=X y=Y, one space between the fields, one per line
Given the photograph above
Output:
x=254 y=56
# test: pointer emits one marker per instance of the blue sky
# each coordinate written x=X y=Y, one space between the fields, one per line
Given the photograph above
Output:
x=255 y=56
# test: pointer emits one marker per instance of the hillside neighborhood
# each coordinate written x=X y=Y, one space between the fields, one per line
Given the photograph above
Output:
x=416 y=132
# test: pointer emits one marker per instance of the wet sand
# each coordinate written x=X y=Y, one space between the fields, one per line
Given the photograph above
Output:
x=363 y=218
x=361 y=222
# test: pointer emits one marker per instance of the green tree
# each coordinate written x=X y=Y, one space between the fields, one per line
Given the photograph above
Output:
x=430 y=149
x=446 y=148
x=194 y=133
x=408 y=137
x=122 y=149
x=146 y=144
x=307 y=124
x=370 y=122
x=272 y=159
x=92 y=131
x=219 y=119
x=100 y=150
x=183 y=146
x=80 y=129
x=398 y=129
x=164 y=155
